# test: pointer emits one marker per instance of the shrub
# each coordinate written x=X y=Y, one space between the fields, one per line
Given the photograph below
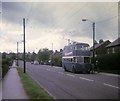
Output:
x=5 y=66
x=108 y=61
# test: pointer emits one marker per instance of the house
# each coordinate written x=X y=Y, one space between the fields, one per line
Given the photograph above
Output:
x=100 y=48
x=114 y=47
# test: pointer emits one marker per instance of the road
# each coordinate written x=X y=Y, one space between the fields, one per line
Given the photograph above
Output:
x=66 y=85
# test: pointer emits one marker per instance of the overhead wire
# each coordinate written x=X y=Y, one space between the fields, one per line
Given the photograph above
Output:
x=69 y=17
x=108 y=11
x=108 y=19
x=74 y=14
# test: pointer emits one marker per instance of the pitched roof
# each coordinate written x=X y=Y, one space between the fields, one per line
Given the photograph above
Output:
x=99 y=44
x=114 y=43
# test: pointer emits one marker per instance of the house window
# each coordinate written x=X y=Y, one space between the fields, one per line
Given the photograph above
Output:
x=108 y=51
x=113 y=50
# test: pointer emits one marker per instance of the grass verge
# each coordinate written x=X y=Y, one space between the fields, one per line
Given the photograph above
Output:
x=33 y=90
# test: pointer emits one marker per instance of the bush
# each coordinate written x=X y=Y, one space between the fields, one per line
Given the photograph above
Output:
x=108 y=61
x=5 y=66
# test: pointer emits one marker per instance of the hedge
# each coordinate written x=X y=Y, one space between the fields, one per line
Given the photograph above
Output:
x=5 y=66
x=108 y=61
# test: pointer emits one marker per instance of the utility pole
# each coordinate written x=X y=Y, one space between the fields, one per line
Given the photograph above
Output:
x=17 y=53
x=94 y=43
x=93 y=25
x=24 y=44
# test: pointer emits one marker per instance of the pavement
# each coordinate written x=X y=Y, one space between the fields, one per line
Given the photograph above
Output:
x=12 y=87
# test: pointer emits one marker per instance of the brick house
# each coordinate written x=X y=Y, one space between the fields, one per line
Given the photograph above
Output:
x=114 y=47
x=100 y=48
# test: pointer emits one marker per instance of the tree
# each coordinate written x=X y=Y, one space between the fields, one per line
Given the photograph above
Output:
x=13 y=56
x=44 y=55
x=34 y=56
x=57 y=58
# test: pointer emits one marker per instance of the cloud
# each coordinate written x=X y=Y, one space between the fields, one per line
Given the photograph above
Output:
x=51 y=22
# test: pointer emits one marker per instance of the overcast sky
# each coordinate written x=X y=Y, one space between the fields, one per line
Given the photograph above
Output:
x=55 y=22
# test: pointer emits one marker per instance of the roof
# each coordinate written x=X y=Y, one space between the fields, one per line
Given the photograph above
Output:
x=99 y=44
x=114 y=43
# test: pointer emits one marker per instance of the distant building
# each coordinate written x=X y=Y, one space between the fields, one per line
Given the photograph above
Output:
x=114 y=47
x=100 y=48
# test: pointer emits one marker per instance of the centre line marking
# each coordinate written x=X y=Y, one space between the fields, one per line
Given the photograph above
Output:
x=86 y=79
x=111 y=85
x=56 y=67
x=60 y=72
x=70 y=75
x=48 y=69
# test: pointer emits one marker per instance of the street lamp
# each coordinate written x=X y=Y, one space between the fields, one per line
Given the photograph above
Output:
x=93 y=24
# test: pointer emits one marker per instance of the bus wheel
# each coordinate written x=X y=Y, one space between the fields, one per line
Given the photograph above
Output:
x=65 y=68
x=88 y=71
x=73 y=70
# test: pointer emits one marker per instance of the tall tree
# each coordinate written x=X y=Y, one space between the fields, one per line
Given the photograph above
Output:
x=44 y=55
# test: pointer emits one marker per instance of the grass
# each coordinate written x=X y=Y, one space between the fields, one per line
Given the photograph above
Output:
x=32 y=88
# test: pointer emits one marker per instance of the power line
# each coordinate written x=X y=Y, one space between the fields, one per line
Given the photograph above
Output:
x=108 y=19
x=73 y=14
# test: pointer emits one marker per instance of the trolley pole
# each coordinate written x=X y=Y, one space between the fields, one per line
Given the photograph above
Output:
x=24 y=44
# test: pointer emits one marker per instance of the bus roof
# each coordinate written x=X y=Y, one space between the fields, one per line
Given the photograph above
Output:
x=77 y=43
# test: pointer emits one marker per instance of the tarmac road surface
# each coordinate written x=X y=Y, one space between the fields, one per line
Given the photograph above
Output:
x=66 y=85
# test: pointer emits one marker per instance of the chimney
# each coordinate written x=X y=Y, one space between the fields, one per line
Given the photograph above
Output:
x=100 y=41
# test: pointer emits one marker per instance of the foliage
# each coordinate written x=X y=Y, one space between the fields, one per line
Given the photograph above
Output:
x=33 y=57
x=57 y=60
x=108 y=61
x=44 y=55
x=6 y=62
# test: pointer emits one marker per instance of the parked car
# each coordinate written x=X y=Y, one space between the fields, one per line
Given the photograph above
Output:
x=32 y=62
x=36 y=62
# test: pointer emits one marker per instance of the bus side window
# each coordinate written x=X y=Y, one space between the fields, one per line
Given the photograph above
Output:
x=74 y=59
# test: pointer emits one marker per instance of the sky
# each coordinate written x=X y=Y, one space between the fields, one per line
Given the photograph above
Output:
x=51 y=24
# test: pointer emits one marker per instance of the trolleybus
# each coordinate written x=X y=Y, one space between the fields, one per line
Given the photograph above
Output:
x=76 y=57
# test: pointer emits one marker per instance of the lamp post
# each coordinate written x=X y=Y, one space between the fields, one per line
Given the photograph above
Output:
x=93 y=24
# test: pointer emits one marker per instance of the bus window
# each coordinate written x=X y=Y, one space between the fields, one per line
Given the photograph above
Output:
x=78 y=59
x=86 y=59
x=74 y=59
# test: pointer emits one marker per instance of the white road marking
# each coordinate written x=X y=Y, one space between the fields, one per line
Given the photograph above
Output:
x=86 y=79
x=60 y=72
x=56 y=67
x=111 y=85
x=70 y=75
x=48 y=69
